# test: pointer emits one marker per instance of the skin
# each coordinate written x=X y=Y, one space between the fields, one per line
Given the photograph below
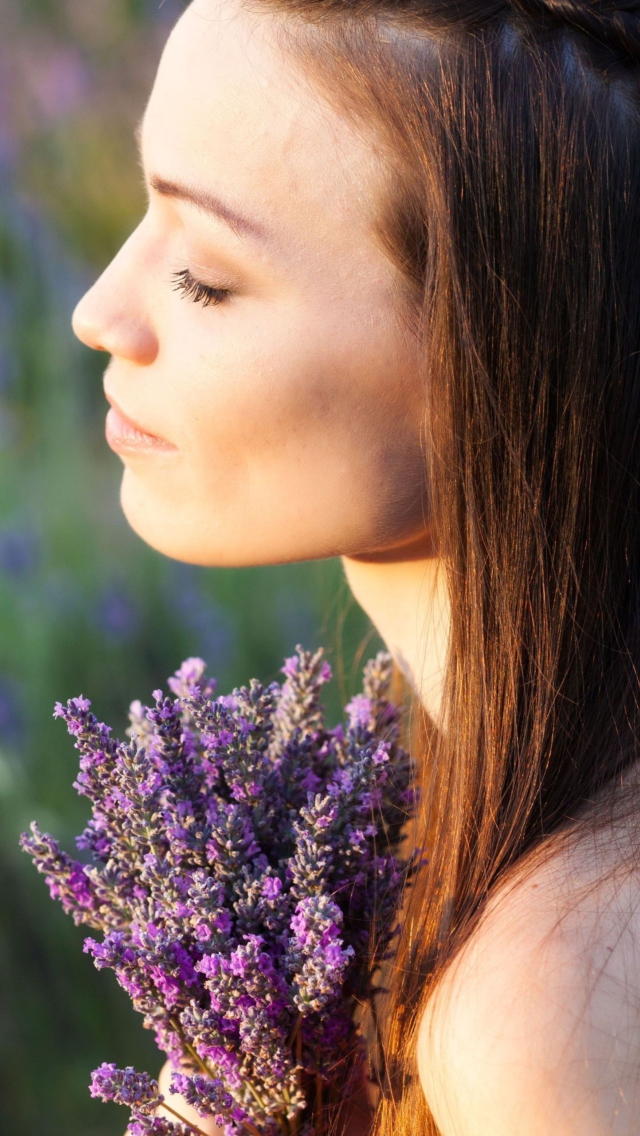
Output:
x=535 y=1029
x=284 y=423
x=291 y=411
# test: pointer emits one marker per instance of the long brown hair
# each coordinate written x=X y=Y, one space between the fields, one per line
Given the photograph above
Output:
x=513 y=135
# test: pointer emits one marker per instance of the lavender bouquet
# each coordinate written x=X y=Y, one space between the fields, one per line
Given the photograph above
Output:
x=245 y=876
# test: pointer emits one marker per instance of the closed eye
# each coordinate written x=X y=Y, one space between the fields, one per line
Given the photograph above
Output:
x=196 y=291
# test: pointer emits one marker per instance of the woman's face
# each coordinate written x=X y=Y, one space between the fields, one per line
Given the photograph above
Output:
x=265 y=394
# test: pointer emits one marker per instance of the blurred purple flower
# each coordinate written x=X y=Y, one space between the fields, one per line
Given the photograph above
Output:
x=296 y=619
x=11 y=712
x=117 y=616
x=60 y=83
x=19 y=552
x=210 y=626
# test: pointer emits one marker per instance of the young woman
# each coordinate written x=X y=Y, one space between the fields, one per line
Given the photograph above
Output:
x=385 y=304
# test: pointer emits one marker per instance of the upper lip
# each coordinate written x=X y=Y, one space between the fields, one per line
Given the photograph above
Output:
x=132 y=422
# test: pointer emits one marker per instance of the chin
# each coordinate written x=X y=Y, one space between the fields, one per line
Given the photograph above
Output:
x=209 y=537
x=231 y=533
x=161 y=527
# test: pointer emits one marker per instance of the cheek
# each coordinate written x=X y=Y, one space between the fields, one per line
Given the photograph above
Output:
x=296 y=434
x=266 y=388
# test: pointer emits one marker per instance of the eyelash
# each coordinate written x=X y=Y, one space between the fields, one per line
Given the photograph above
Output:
x=196 y=291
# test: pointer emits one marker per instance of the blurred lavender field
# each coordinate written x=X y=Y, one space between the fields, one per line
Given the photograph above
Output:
x=84 y=606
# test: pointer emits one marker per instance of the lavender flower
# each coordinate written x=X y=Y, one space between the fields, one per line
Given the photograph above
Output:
x=208 y=1096
x=316 y=955
x=157 y=1126
x=125 y=1086
x=245 y=876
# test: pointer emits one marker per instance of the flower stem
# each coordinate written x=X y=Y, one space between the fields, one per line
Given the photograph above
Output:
x=294 y=1032
x=202 y=1065
x=193 y=1054
x=318 y=1102
x=251 y=1128
x=255 y=1095
x=204 y=1068
x=183 y=1120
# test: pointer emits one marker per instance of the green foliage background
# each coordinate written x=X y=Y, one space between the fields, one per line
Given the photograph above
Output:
x=84 y=605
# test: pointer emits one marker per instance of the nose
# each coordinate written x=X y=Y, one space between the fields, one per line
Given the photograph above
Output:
x=113 y=315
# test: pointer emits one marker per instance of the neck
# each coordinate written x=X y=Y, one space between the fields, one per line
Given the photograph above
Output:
x=407 y=602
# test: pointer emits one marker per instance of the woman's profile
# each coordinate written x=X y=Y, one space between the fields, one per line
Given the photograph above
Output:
x=385 y=305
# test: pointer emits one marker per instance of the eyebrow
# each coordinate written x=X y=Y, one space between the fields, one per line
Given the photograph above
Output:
x=209 y=203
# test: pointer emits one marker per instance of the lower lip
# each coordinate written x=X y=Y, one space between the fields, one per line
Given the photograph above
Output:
x=125 y=438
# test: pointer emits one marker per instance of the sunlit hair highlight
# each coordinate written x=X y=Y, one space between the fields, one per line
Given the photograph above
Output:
x=513 y=139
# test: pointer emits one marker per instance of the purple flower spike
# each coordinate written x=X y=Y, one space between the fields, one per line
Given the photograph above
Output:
x=157 y=1126
x=208 y=1097
x=317 y=953
x=243 y=858
x=360 y=711
x=67 y=880
x=190 y=676
x=124 y=1086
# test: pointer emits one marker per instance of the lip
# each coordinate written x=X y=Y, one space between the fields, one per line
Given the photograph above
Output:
x=125 y=436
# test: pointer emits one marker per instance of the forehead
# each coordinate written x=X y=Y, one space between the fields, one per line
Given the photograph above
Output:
x=232 y=114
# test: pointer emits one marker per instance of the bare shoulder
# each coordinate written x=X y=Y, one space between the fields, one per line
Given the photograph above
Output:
x=535 y=1029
